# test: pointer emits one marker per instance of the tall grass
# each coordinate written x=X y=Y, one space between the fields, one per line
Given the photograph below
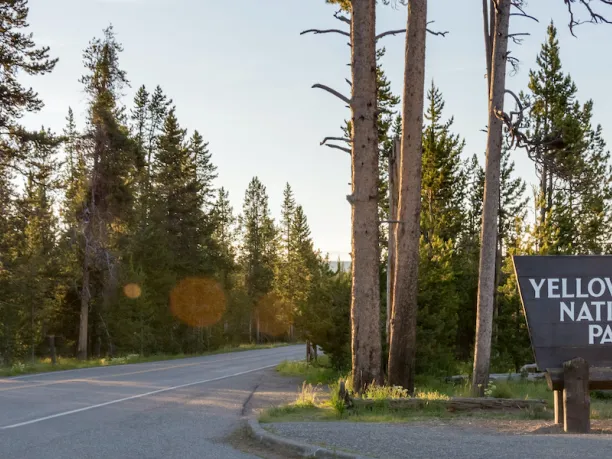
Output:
x=319 y=372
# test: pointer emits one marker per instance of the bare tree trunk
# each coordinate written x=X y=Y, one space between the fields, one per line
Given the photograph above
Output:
x=402 y=349
x=365 y=295
x=543 y=198
x=488 y=249
x=488 y=35
x=391 y=247
x=85 y=298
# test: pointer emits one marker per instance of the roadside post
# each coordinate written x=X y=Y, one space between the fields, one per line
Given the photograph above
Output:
x=567 y=301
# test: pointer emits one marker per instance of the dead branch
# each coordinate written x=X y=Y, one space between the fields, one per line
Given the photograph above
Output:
x=433 y=32
x=514 y=62
x=595 y=17
x=522 y=12
x=538 y=149
x=342 y=18
x=338 y=147
x=333 y=91
x=340 y=139
x=398 y=31
x=322 y=31
x=390 y=32
x=515 y=37
x=350 y=83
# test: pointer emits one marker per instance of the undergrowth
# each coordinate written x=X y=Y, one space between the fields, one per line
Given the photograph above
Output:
x=63 y=363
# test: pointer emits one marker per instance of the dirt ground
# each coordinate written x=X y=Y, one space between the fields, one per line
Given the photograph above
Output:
x=516 y=426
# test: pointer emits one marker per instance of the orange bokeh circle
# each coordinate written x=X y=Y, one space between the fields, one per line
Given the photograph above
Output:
x=132 y=291
x=198 y=301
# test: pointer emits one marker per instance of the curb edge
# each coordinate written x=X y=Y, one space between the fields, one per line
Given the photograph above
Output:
x=267 y=438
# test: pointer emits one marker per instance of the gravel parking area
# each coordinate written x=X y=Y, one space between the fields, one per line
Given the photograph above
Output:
x=390 y=441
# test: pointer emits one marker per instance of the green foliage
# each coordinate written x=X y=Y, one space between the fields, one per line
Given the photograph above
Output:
x=325 y=317
x=442 y=190
x=66 y=363
x=318 y=372
x=376 y=392
x=438 y=302
x=574 y=194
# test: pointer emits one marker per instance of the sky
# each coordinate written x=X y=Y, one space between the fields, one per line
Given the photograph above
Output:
x=240 y=73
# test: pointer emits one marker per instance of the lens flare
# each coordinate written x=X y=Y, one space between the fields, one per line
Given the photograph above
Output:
x=132 y=291
x=275 y=315
x=198 y=301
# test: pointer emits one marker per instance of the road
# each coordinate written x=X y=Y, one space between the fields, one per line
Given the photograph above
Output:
x=173 y=409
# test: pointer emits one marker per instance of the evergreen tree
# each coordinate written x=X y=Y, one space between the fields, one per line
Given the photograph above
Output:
x=258 y=249
x=224 y=234
x=19 y=55
x=109 y=196
x=439 y=305
x=139 y=120
x=558 y=122
x=9 y=234
x=179 y=208
x=37 y=261
x=442 y=188
x=287 y=218
x=466 y=262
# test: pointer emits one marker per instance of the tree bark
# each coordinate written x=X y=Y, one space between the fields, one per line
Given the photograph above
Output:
x=488 y=249
x=365 y=294
x=402 y=349
x=85 y=298
x=391 y=248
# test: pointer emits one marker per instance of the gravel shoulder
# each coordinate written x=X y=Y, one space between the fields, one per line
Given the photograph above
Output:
x=460 y=440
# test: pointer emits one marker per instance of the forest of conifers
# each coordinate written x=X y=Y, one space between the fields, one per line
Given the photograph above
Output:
x=115 y=237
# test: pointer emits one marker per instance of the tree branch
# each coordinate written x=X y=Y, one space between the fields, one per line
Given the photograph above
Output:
x=433 y=32
x=341 y=139
x=537 y=148
x=332 y=91
x=522 y=12
x=515 y=37
x=398 y=31
x=596 y=18
x=322 y=31
x=390 y=32
x=339 y=17
x=338 y=147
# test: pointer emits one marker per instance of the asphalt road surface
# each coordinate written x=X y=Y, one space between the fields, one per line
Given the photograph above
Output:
x=173 y=409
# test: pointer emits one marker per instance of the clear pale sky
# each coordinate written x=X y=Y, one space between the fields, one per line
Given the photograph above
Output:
x=240 y=73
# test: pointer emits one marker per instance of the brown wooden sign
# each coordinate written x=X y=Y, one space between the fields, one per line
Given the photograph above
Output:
x=568 y=305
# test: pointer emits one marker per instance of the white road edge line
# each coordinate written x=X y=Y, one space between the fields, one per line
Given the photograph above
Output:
x=112 y=402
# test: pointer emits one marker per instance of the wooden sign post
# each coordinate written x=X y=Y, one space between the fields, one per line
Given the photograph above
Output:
x=568 y=305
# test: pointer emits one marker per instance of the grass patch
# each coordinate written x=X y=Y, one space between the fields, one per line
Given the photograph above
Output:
x=311 y=407
x=45 y=365
x=319 y=372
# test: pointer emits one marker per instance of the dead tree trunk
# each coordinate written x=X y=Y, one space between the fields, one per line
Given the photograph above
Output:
x=85 y=297
x=488 y=249
x=365 y=295
x=391 y=247
x=52 y=352
x=402 y=348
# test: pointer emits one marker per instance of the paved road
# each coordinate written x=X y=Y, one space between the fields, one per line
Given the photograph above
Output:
x=174 y=409
x=400 y=441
